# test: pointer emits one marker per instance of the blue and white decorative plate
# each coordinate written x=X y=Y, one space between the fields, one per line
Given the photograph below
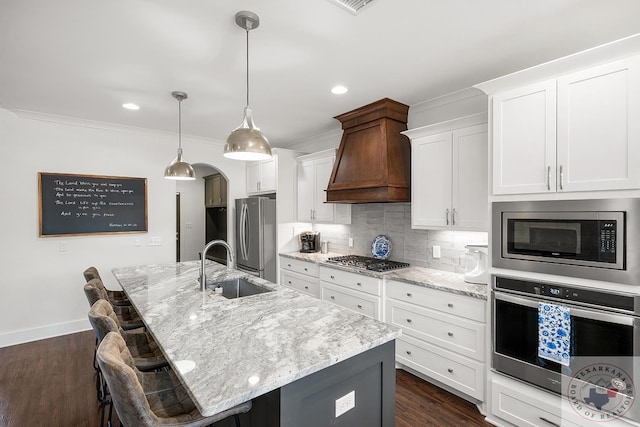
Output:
x=381 y=247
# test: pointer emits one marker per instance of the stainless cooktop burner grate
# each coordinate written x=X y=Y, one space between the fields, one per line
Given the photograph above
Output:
x=367 y=263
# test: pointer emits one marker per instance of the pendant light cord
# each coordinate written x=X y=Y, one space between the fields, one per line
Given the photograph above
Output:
x=180 y=124
x=248 y=66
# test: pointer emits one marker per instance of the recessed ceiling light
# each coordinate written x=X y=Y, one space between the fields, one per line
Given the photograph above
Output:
x=339 y=90
x=130 y=106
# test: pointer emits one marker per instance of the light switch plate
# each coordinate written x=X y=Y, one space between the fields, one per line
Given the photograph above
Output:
x=436 y=251
x=345 y=403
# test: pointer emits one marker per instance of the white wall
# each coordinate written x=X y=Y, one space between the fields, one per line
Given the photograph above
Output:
x=41 y=291
x=192 y=213
x=448 y=107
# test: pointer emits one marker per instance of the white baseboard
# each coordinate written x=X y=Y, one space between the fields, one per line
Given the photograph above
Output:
x=49 y=331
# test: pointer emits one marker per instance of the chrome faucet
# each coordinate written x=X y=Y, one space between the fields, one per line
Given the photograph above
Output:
x=203 y=276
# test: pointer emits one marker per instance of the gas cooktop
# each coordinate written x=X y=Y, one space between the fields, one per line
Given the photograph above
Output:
x=367 y=263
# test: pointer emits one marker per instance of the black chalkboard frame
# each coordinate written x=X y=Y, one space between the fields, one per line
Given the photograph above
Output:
x=138 y=200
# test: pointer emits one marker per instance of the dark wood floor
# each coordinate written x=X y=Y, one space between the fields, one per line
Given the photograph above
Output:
x=51 y=383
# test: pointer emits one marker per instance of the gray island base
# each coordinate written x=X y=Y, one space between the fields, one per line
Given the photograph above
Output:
x=302 y=361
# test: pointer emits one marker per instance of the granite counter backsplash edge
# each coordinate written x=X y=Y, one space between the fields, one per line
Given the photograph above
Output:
x=419 y=276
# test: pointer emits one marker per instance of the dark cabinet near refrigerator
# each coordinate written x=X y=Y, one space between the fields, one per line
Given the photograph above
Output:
x=215 y=191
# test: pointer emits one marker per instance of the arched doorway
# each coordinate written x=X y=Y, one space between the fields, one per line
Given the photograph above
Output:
x=200 y=215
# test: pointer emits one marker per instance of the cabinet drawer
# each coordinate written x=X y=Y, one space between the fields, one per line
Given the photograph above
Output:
x=456 y=371
x=302 y=267
x=358 y=282
x=457 y=305
x=521 y=408
x=462 y=336
x=357 y=301
x=300 y=282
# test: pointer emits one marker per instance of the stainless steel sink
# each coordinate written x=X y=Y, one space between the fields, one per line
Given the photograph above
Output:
x=238 y=288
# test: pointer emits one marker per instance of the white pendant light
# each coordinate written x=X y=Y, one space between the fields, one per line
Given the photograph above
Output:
x=178 y=169
x=247 y=142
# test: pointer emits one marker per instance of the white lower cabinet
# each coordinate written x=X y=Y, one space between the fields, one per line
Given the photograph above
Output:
x=443 y=335
x=514 y=403
x=300 y=275
x=356 y=292
x=300 y=282
x=525 y=406
x=458 y=372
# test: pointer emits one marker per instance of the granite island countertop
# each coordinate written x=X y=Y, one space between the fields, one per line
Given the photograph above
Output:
x=419 y=276
x=228 y=351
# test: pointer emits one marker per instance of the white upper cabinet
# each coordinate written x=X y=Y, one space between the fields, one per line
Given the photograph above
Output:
x=470 y=178
x=449 y=164
x=578 y=132
x=431 y=168
x=524 y=139
x=262 y=176
x=598 y=128
x=314 y=171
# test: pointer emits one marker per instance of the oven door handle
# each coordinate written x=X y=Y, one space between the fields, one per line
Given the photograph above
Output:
x=620 y=319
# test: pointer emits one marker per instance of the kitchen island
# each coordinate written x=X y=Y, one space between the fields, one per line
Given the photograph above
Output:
x=227 y=351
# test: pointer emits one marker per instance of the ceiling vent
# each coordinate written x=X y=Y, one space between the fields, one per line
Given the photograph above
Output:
x=353 y=6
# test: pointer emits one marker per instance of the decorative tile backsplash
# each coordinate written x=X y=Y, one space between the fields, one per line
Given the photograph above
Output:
x=408 y=245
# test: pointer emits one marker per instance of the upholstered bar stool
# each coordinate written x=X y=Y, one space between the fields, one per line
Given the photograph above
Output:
x=148 y=356
x=145 y=351
x=114 y=297
x=127 y=315
x=172 y=407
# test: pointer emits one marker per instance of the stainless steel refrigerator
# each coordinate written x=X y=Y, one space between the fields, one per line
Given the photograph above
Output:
x=256 y=236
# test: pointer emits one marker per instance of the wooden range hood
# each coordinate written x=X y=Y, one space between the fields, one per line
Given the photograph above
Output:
x=373 y=163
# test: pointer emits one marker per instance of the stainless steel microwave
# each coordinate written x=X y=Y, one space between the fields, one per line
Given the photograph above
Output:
x=595 y=239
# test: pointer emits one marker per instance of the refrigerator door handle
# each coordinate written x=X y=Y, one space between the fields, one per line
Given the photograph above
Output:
x=243 y=231
x=246 y=241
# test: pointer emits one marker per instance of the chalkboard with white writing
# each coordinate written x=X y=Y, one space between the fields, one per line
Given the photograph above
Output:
x=73 y=204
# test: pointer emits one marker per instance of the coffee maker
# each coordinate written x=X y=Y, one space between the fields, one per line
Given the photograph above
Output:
x=309 y=241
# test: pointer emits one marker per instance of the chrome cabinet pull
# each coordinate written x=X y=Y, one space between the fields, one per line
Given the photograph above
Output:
x=332 y=297
x=289 y=282
x=549 y=422
x=408 y=320
x=549 y=178
x=359 y=284
x=453 y=216
x=447 y=216
x=450 y=334
x=450 y=370
x=561 y=177
x=306 y=287
x=450 y=305
x=409 y=294
x=305 y=269
x=409 y=352
x=359 y=306
x=332 y=277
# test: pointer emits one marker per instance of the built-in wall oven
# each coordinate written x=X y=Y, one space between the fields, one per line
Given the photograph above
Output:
x=592 y=239
x=549 y=328
x=603 y=328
